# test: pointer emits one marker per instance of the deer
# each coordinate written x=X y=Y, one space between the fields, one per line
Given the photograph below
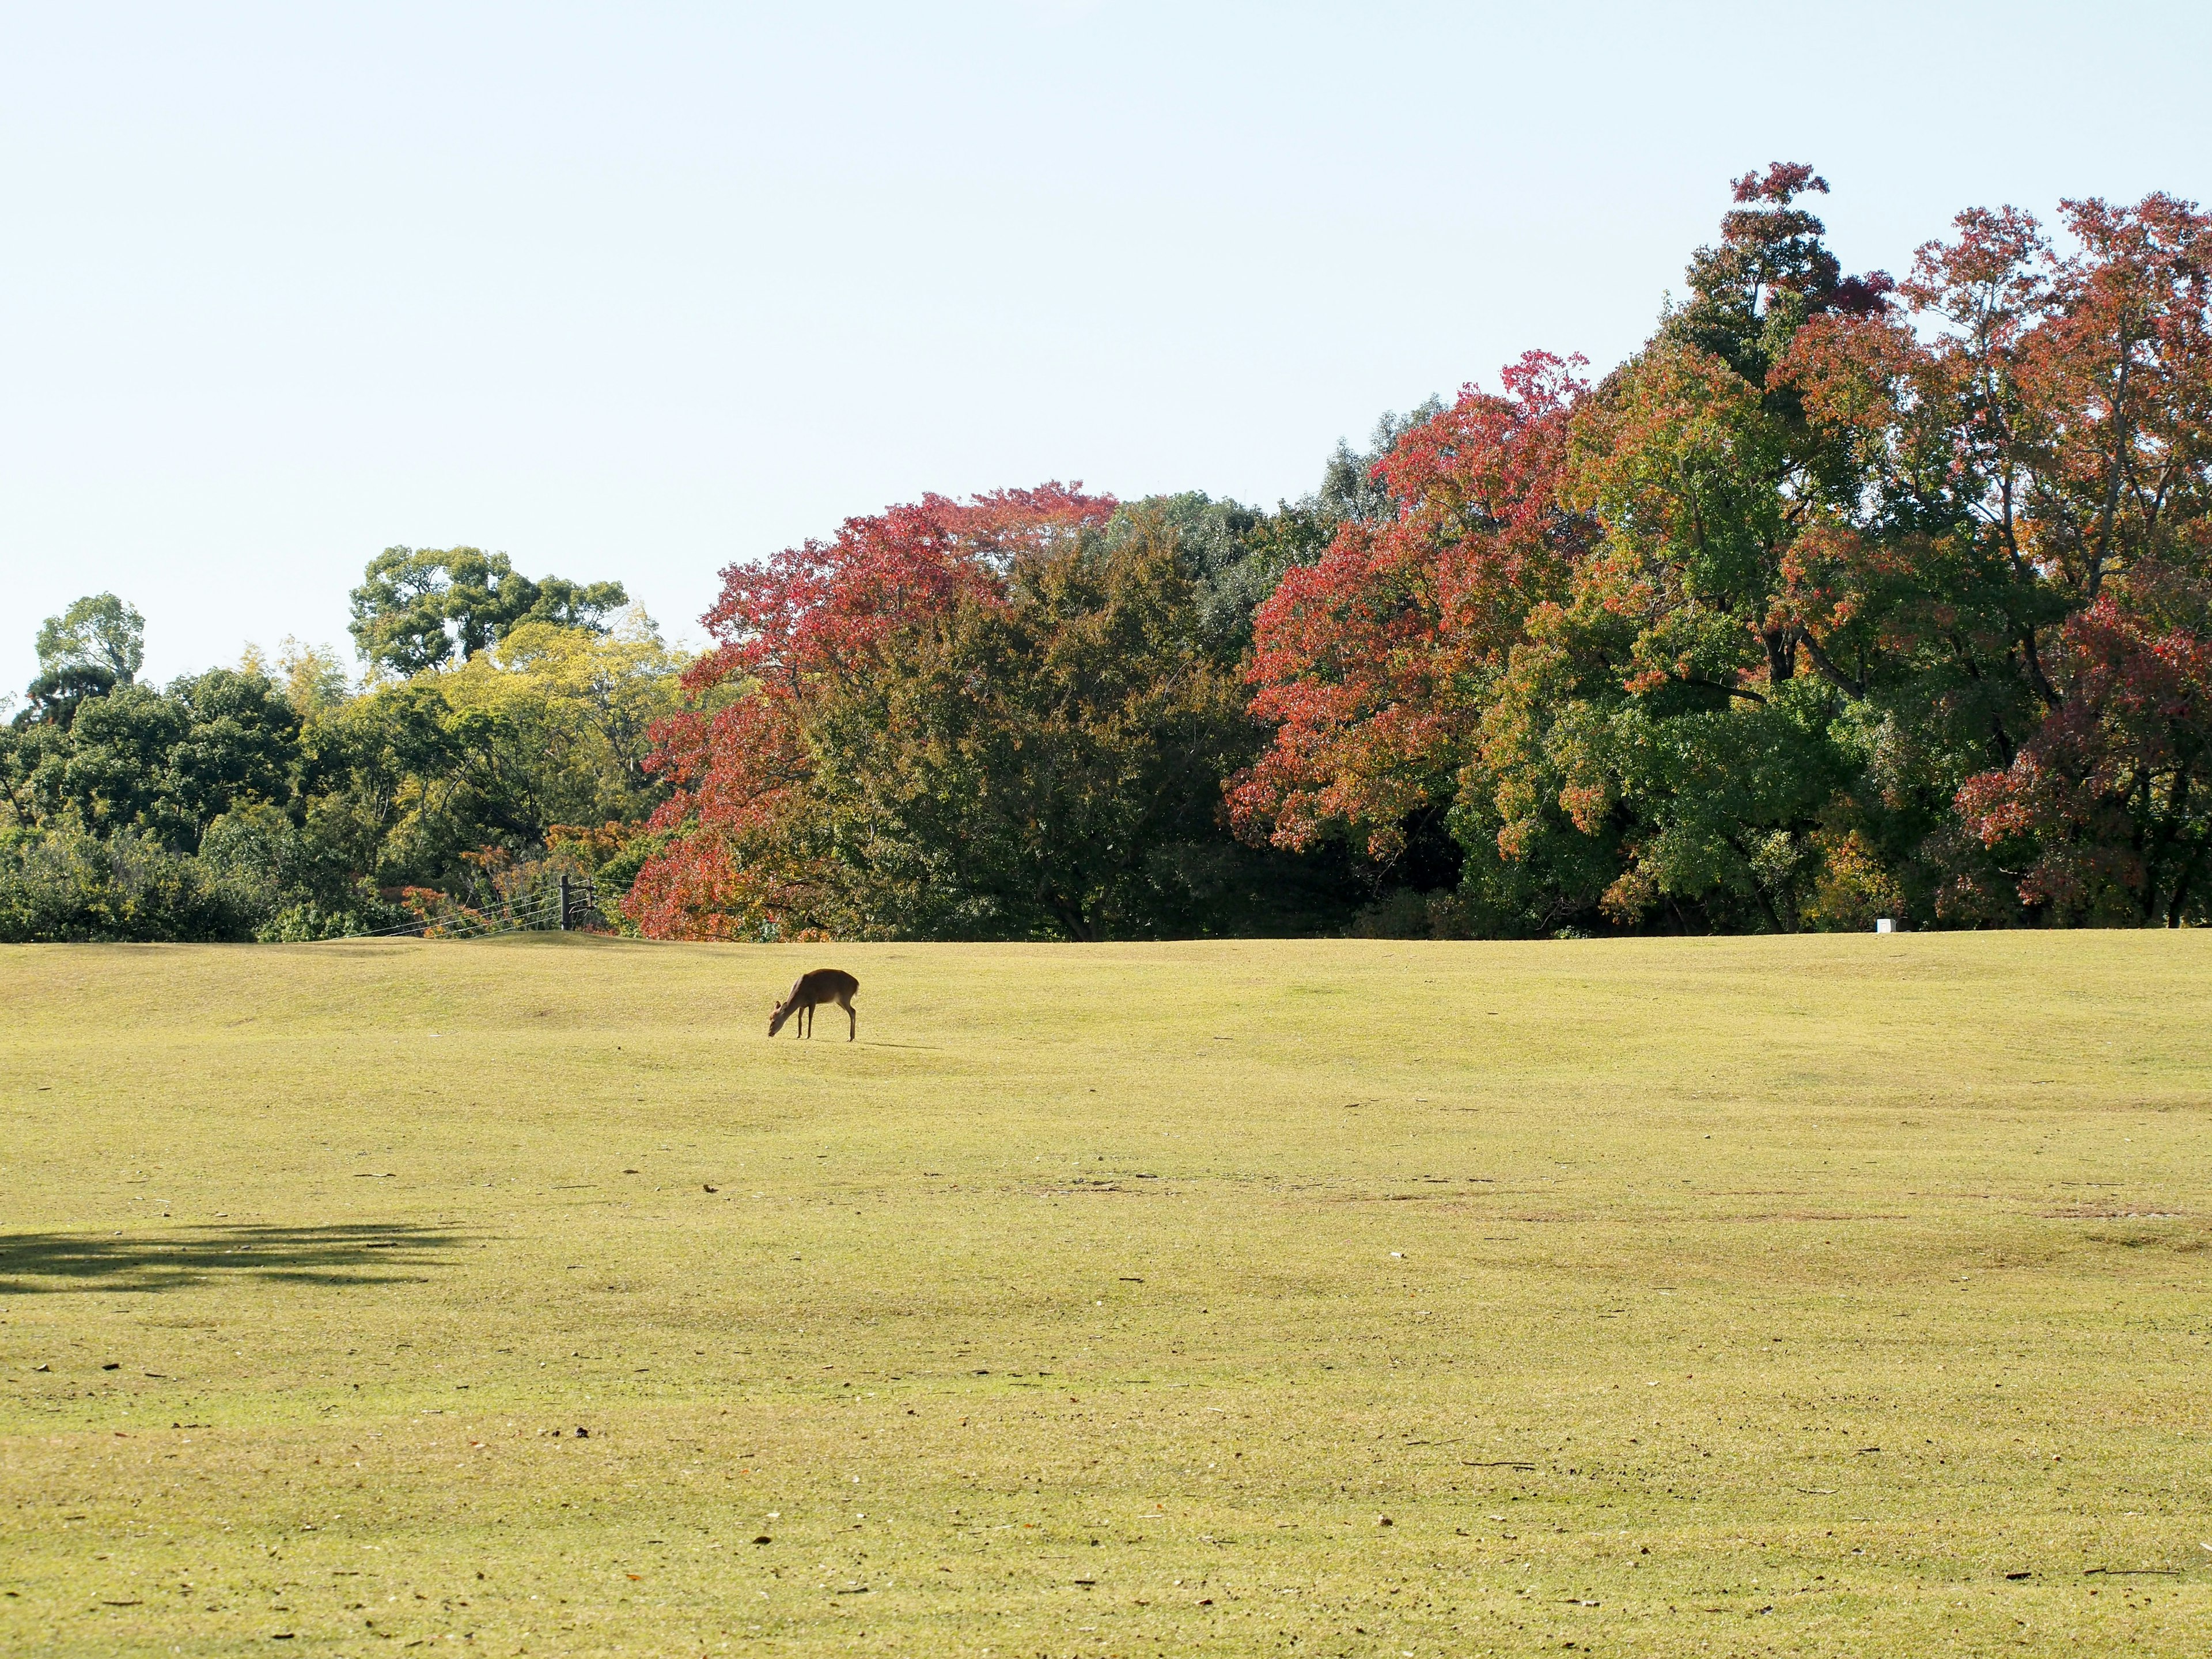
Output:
x=820 y=986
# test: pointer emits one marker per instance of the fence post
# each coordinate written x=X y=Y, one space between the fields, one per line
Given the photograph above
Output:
x=564 y=904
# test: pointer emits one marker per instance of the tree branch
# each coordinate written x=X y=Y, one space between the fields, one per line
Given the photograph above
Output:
x=1829 y=669
x=1714 y=685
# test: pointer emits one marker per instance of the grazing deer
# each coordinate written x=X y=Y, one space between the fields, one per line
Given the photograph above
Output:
x=822 y=985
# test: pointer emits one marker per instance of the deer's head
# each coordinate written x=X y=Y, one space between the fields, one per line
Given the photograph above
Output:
x=775 y=1020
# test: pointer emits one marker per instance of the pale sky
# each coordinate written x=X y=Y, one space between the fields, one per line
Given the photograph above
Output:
x=634 y=290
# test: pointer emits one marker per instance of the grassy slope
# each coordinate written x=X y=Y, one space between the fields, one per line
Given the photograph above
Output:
x=1765 y=1295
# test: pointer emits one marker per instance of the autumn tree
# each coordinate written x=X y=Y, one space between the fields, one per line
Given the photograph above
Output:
x=745 y=853
x=1007 y=717
x=2098 y=806
x=1374 y=664
x=1682 y=706
x=1044 y=761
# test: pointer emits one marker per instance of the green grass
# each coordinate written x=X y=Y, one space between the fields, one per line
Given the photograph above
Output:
x=1817 y=1296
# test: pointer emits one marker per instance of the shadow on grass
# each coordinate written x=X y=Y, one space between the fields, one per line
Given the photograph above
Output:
x=364 y=1254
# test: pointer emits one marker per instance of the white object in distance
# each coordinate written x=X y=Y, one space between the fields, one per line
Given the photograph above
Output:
x=1884 y=925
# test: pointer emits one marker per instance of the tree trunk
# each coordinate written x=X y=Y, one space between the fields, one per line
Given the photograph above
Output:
x=1781 y=653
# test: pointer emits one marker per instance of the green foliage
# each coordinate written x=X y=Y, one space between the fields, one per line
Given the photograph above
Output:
x=161 y=764
x=419 y=608
x=313 y=678
x=99 y=632
x=1044 y=766
x=616 y=867
x=56 y=695
x=1352 y=489
x=230 y=805
x=72 y=886
x=294 y=884
x=1231 y=554
x=545 y=730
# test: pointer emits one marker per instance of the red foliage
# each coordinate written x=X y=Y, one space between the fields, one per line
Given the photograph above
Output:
x=814 y=607
x=2110 y=801
x=1785 y=181
x=740 y=862
x=2123 y=366
x=1365 y=660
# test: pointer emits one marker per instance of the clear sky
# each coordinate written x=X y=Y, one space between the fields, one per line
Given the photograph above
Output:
x=636 y=289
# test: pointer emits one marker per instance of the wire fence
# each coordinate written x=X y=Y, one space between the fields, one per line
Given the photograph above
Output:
x=557 y=907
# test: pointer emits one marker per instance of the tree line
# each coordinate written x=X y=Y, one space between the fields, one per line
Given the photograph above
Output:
x=503 y=726
x=1843 y=597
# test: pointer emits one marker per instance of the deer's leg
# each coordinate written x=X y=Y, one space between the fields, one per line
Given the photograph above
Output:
x=852 y=1023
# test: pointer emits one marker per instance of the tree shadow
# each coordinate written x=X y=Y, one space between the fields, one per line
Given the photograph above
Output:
x=355 y=1254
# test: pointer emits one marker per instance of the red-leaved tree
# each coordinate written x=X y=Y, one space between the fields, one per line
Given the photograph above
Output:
x=2104 y=814
x=745 y=855
x=1370 y=663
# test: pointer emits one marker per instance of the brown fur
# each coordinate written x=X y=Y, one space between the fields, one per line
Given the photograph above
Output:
x=822 y=985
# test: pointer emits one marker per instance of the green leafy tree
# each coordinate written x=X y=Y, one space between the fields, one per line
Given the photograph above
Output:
x=544 y=730
x=99 y=632
x=167 y=763
x=70 y=886
x=1233 y=555
x=56 y=696
x=112 y=774
x=313 y=678
x=420 y=608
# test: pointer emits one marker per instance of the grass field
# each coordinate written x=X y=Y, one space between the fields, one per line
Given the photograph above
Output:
x=1840 y=1296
